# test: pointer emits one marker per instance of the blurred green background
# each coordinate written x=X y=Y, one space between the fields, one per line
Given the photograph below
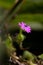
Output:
x=30 y=11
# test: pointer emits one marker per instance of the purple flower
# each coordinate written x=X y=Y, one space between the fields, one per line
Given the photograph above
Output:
x=28 y=29
x=22 y=25
x=25 y=27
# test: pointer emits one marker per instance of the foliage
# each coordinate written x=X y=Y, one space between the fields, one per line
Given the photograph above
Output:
x=29 y=6
x=41 y=56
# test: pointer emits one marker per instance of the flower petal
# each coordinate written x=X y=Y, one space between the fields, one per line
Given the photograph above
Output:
x=25 y=27
x=28 y=29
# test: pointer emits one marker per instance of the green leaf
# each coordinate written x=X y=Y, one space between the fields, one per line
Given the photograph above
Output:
x=41 y=56
x=9 y=45
x=28 y=55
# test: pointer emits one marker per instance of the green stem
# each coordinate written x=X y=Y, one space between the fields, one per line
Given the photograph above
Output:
x=20 y=31
x=21 y=47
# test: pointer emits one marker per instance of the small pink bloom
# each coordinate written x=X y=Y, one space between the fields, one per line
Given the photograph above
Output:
x=25 y=27
x=22 y=25
x=28 y=29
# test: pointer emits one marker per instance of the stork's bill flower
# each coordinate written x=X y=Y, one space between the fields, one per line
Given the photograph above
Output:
x=25 y=27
